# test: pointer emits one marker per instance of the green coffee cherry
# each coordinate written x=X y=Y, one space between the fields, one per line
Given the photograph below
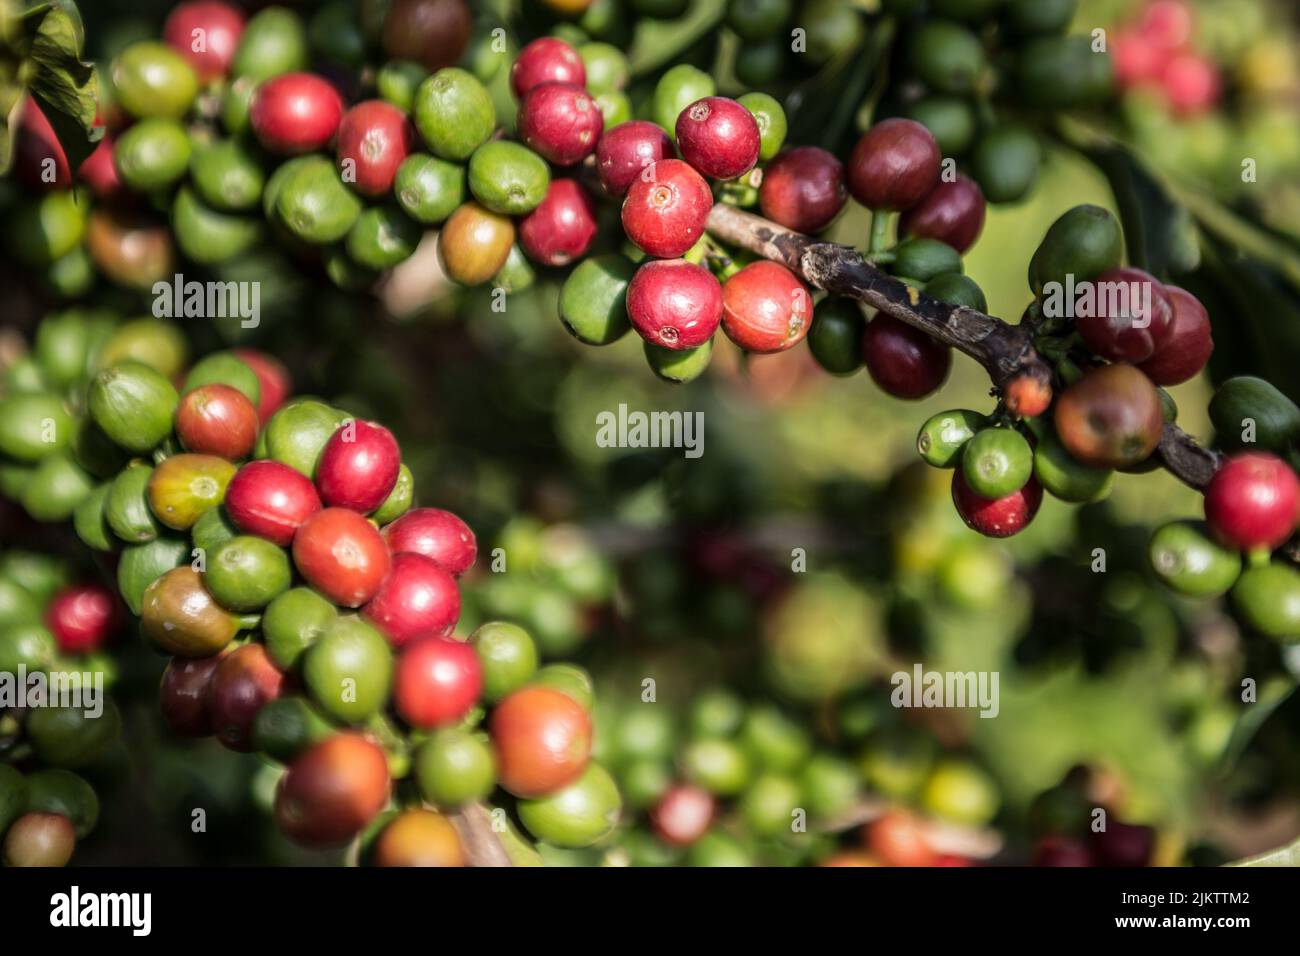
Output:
x=1185 y=556
x=454 y=113
x=127 y=506
x=957 y=289
x=246 y=573
x=949 y=58
x=349 y=670
x=91 y=523
x=134 y=405
x=293 y=622
x=397 y=82
x=429 y=189
x=140 y=565
x=1268 y=600
x=772 y=123
x=153 y=154
x=1249 y=412
x=224 y=368
x=950 y=119
x=508 y=178
x=677 y=89
x=1064 y=477
x=1084 y=242
x=1006 y=162
x=42 y=231
x=576 y=815
x=943 y=436
x=923 y=259
x=719 y=766
x=208 y=236
x=287 y=726
x=997 y=462
x=593 y=299
x=679 y=365
x=150 y=79
x=382 y=237
x=33 y=426
x=314 y=202
x=455 y=767
x=227 y=175
x=769 y=805
x=835 y=337
x=273 y=42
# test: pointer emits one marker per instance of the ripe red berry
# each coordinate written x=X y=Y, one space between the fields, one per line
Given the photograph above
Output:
x=342 y=556
x=683 y=814
x=295 y=113
x=1027 y=396
x=1187 y=345
x=1128 y=317
x=561 y=122
x=898 y=838
x=803 y=189
x=418 y=599
x=1166 y=24
x=542 y=739
x=373 y=139
x=561 y=228
x=82 y=618
x=433 y=33
x=39 y=161
x=546 y=60
x=628 y=148
x=1123 y=844
x=332 y=790
x=185 y=694
x=436 y=534
x=271 y=500
x=437 y=681
x=242 y=683
x=952 y=213
x=272 y=376
x=1061 y=851
x=1137 y=60
x=217 y=420
x=1191 y=84
x=358 y=466
x=996 y=517
x=894 y=165
x=1252 y=500
x=674 y=303
x=719 y=137
x=765 y=308
x=206 y=34
x=666 y=208
x=99 y=172
x=903 y=361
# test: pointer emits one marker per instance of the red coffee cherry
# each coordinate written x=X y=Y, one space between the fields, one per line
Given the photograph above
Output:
x=542 y=739
x=342 y=556
x=1123 y=844
x=1251 y=502
x=99 y=172
x=438 y=681
x=273 y=377
x=185 y=694
x=1191 y=84
x=295 y=113
x=803 y=189
x=1187 y=345
x=1110 y=418
x=898 y=838
x=436 y=534
x=683 y=814
x=433 y=33
x=373 y=139
x=624 y=151
x=217 y=420
x=666 y=208
x=894 y=165
x=82 y=618
x=332 y=790
x=1027 y=396
x=903 y=361
x=561 y=228
x=996 y=517
x=765 y=308
x=952 y=213
x=39 y=839
x=358 y=466
x=242 y=683
x=719 y=137
x=39 y=160
x=271 y=500
x=1128 y=318
x=674 y=303
x=418 y=599
x=546 y=60
x=206 y=34
x=561 y=122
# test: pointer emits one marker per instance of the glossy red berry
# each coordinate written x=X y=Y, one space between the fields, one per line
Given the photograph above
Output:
x=99 y=172
x=271 y=500
x=272 y=376
x=561 y=122
x=674 y=303
x=546 y=60
x=39 y=161
x=996 y=517
x=1124 y=315
x=242 y=683
x=1027 y=396
x=952 y=213
x=438 y=681
x=1137 y=59
x=436 y=534
x=332 y=790
x=624 y=151
x=82 y=618
x=358 y=466
x=683 y=814
x=719 y=137
x=894 y=165
x=1187 y=345
x=803 y=189
x=217 y=420
x=542 y=739
x=561 y=228
x=1252 y=502
x=418 y=599
x=342 y=556
x=903 y=361
x=185 y=695
x=374 y=138
x=205 y=33
x=666 y=208
x=1191 y=84
x=295 y=113
x=765 y=308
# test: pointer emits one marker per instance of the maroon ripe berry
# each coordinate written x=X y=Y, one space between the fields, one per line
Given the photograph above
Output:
x=358 y=466
x=99 y=172
x=765 y=308
x=417 y=599
x=674 y=303
x=561 y=228
x=244 y=681
x=82 y=618
x=433 y=33
x=952 y=213
x=624 y=151
x=894 y=165
x=1188 y=343
x=436 y=534
x=1124 y=315
x=1251 y=502
x=666 y=208
x=216 y=419
x=332 y=791
x=561 y=122
x=1060 y=851
x=1123 y=844
x=683 y=814
x=295 y=113
x=719 y=137
x=39 y=160
x=996 y=517
x=904 y=361
x=185 y=692
x=803 y=189
x=546 y=60
x=271 y=500
x=206 y=34
x=374 y=137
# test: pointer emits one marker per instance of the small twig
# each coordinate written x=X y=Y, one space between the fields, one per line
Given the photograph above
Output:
x=482 y=846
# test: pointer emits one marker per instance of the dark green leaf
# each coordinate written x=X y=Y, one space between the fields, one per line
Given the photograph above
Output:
x=60 y=82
